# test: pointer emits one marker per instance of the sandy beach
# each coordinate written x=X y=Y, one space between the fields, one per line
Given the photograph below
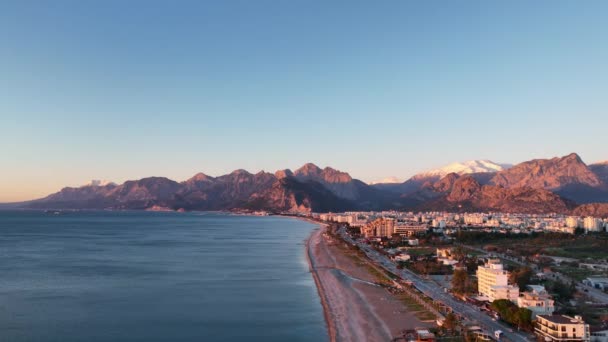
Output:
x=356 y=309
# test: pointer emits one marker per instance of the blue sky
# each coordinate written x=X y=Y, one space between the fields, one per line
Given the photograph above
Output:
x=126 y=89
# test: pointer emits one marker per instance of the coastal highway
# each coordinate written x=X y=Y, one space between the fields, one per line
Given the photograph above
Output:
x=437 y=293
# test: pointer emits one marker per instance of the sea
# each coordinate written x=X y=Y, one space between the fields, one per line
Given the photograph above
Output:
x=155 y=276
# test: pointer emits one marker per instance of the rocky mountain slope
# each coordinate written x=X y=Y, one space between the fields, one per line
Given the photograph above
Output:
x=600 y=170
x=308 y=188
x=541 y=185
x=592 y=209
x=464 y=193
x=568 y=176
x=548 y=174
x=340 y=183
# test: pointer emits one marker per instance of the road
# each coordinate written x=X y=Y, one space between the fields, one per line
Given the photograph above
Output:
x=437 y=293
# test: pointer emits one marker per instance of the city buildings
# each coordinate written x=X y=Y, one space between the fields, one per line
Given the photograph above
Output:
x=440 y=229
x=409 y=223
x=561 y=328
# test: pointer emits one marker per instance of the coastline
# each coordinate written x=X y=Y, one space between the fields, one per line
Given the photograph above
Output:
x=331 y=328
x=355 y=307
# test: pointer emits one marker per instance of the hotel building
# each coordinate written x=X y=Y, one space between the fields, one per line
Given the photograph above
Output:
x=493 y=282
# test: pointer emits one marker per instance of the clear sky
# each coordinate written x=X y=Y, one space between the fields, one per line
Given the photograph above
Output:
x=127 y=89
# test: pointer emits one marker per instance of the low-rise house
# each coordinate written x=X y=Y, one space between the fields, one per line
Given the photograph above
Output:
x=594 y=267
x=444 y=253
x=599 y=336
x=459 y=267
x=444 y=256
x=597 y=282
x=537 y=300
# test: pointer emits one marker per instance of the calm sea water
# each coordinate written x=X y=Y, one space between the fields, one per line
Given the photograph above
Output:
x=138 y=276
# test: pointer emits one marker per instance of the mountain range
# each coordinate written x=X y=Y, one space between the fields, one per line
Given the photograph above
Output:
x=562 y=184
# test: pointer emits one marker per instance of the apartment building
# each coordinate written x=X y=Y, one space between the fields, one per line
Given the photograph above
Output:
x=409 y=229
x=561 y=328
x=382 y=227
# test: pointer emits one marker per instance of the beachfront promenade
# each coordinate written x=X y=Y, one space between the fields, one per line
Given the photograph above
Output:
x=437 y=293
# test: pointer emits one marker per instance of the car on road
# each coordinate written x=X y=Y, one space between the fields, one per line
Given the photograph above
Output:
x=498 y=334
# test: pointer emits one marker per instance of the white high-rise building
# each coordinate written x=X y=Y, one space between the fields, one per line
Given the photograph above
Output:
x=573 y=222
x=593 y=224
x=493 y=282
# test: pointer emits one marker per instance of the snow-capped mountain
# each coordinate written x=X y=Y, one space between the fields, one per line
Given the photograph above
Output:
x=483 y=170
x=99 y=182
x=389 y=180
x=467 y=167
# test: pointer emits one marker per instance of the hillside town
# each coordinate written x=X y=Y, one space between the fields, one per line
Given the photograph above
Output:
x=491 y=265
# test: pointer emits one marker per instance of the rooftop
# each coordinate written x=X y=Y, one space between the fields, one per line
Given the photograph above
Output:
x=598 y=279
x=560 y=319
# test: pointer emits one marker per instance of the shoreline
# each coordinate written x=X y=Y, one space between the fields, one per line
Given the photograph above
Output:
x=329 y=322
x=355 y=306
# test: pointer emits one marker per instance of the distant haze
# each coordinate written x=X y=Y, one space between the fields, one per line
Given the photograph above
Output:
x=123 y=90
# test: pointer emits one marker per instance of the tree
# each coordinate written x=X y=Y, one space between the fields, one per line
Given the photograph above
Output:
x=521 y=276
x=510 y=313
x=472 y=264
x=450 y=321
x=460 y=280
x=563 y=291
x=459 y=253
